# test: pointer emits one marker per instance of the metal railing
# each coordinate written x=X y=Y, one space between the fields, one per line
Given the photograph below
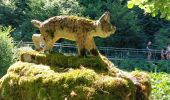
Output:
x=111 y=52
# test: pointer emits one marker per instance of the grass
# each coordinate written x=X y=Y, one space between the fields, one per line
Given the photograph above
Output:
x=160 y=86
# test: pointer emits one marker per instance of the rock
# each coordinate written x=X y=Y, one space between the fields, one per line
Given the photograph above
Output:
x=59 y=77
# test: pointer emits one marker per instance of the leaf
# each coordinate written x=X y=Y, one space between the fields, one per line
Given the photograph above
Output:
x=163 y=15
x=130 y=5
x=154 y=13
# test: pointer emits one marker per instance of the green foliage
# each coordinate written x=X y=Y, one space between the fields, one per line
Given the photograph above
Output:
x=19 y=13
x=162 y=37
x=153 y=27
x=160 y=86
x=153 y=7
x=134 y=28
x=6 y=49
x=129 y=33
x=130 y=65
x=42 y=10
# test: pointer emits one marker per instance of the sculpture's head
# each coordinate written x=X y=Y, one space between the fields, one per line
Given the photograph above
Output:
x=106 y=28
x=43 y=31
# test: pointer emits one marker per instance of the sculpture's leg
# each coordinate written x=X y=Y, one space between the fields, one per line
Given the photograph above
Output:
x=81 y=50
x=91 y=47
x=81 y=47
x=49 y=45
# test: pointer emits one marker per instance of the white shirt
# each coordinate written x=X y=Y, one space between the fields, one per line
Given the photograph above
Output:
x=168 y=49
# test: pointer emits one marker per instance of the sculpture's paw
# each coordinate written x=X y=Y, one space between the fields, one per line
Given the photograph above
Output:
x=47 y=52
x=39 y=49
x=94 y=52
x=82 y=56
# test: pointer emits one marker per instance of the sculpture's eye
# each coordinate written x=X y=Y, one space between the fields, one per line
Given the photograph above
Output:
x=47 y=31
x=43 y=38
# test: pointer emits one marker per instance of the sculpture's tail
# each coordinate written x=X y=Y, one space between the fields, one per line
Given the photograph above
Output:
x=36 y=23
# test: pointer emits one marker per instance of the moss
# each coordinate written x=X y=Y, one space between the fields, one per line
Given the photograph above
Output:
x=57 y=59
x=27 y=81
x=111 y=86
x=144 y=85
x=57 y=77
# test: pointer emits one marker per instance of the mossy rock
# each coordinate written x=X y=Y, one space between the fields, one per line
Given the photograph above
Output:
x=58 y=59
x=71 y=78
x=28 y=81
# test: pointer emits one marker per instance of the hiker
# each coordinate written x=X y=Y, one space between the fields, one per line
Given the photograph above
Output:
x=148 y=48
x=168 y=52
x=163 y=54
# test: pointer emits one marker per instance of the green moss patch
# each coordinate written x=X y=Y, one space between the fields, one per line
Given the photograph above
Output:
x=57 y=59
x=27 y=81
x=54 y=76
x=144 y=84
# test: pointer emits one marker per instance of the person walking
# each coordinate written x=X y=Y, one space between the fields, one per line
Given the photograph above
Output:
x=168 y=52
x=163 y=54
x=148 y=48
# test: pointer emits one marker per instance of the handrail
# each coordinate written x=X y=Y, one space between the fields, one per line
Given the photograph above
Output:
x=101 y=48
x=110 y=52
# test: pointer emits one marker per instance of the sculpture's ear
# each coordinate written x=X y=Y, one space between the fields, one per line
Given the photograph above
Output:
x=36 y=23
x=105 y=17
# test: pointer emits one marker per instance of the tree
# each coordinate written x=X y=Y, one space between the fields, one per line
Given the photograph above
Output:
x=12 y=12
x=19 y=13
x=162 y=37
x=131 y=29
x=6 y=49
x=150 y=25
x=153 y=6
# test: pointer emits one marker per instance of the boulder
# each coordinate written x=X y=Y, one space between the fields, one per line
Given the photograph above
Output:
x=55 y=76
